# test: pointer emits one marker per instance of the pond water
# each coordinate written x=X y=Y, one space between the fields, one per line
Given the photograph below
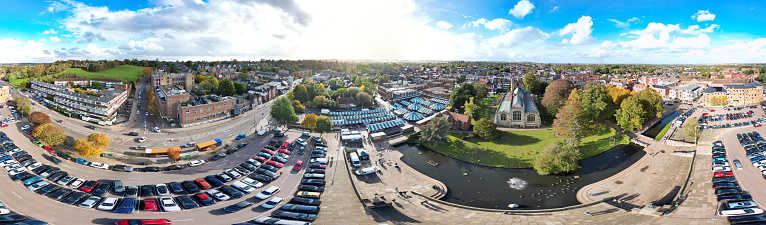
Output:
x=653 y=131
x=496 y=188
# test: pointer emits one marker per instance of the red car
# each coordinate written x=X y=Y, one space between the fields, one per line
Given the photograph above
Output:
x=88 y=186
x=284 y=151
x=275 y=163
x=712 y=110
x=722 y=174
x=202 y=183
x=298 y=165
x=757 y=125
x=704 y=114
x=266 y=150
x=30 y=133
x=317 y=166
x=49 y=149
x=273 y=142
x=259 y=159
x=144 y=222
x=3 y=125
x=285 y=145
x=150 y=205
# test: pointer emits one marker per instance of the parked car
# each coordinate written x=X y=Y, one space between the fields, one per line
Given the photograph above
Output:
x=267 y=193
x=186 y=202
x=128 y=205
x=294 y=215
x=300 y=208
x=272 y=203
x=236 y=207
x=169 y=205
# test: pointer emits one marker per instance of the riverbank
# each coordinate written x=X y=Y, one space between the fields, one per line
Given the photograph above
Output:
x=518 y=149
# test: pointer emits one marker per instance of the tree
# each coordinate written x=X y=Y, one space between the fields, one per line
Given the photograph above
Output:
x=227 y=88
x=50 y=134
x=243 y=76
x=617 y=94
x=470 y=108
x=651 y=102
x=309 y=121
x=301 y=94
x=556 y=95
x=692 y=128
x=283 y=111
x=210 y=83
x=631 y=114
x=86 y=148
x=596 y=105
x=354 y=90
x=99 y=140
x=461 y=79
x=97 y=85
x=147 y=72
x=23 y=106
x=323 y=124
x=151 y=103
x=481 y=91
x=435 y=132
x=241 y=87
x=486 y=129
x=298 y=107
x=461 y=95
x=363 y=99
x=174 y=153
x=568 y=114
x=530 y=83
x=39 y=118
x=323 y=102
x=557 y=157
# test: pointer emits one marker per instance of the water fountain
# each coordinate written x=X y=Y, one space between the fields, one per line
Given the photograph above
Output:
x=517 y=183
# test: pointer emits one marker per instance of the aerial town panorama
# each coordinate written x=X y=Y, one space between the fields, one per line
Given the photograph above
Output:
x=335 y=112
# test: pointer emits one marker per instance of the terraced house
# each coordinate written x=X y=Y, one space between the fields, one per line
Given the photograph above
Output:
x=734 y=94
x=100 y=106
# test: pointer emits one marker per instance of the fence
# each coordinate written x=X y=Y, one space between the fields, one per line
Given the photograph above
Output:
x=188 y=155
x=112 y=155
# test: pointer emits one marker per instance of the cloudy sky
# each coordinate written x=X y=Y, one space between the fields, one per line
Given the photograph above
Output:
x=557 y=31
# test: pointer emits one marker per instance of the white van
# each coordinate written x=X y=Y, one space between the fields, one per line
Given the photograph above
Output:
x=365 y=171
x=140 y=147
x=243 y=187
x=355 y=159
x=741 y=212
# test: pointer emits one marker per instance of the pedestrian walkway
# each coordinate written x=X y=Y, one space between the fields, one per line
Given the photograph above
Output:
x=699 y=199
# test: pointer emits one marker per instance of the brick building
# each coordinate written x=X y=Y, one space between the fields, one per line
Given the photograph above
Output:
x=182 y=80
x=459 y=121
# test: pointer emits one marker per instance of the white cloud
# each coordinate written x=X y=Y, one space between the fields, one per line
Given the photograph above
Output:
x=701 y=41
x=498 y=24
x=55 y=39
x=56 y=7
x=753 y=49
x=581 y=31
x=515 y=37
x=479 y=22
x=657 y=28
x=703 y=15
x=554 y=9
x=19 y=51
x=521 y=9
x=50 y=31
x=625 y=24
x=443 y=25
x=695 y=29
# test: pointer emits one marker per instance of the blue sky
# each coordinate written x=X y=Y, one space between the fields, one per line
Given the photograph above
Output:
x=575 y=31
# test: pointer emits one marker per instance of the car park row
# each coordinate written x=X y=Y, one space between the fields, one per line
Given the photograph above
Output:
x=735 y=203
x=58 y=185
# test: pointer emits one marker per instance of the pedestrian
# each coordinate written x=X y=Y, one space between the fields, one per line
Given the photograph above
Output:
x=397 y=189
x=588 y=213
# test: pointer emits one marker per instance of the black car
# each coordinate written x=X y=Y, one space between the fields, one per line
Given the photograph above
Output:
x=57 y=176
x=152 y=169
x=231 y=151
x=74 y=197
x=314 y=170
x=247 y=166
x=190 y=187
x=317 y=156
x=102 y=189
x=64 y=156
x=279 y=135
x=122 y=168
x=732 y=198
x=279 y=159
x=12 y=218
x=60 y=194
x=47 y=189
x=300 y=208
x=261 y=177
x=231 y=191
x=52 y=159
x=304 y=187
x=214 y=181
x=176 y=188
x=133 y=134
x=719 y=155
x=22 y=176
x=91 y=127
x=176 y=167
x=293 y=215
x=214 y=157
x=317 y=182
x=28 y=162
x=241 y=145
x=205 y=199
x=236 y=207
x=270 y=167
x=320 y=144
x=724 y=180
x=147 y=190
x=265 y=172
x=186 y=202
x=131 y=191
x=728 y=191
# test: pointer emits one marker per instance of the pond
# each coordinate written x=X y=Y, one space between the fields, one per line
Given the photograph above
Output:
x=496 y=188
x=655 y=130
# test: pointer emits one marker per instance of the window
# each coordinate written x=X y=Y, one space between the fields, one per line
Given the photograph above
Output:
x=503 y=117
x=516 y=116
x=195 y=111
x=530 y=118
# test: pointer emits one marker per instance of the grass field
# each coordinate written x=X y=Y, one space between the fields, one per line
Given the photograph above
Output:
x=662 y=133
x=18 y=82
x=519 y=148
x=123 y=72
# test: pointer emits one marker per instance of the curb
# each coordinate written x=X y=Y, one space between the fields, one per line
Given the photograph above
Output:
x=585 y=199
x=516 y=210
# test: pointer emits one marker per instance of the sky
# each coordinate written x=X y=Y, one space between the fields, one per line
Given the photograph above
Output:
x=546 y=31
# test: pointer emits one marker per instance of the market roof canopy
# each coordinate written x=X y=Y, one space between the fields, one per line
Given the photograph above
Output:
x=356 y=112
x=415 y=106
x=417 y=100
x=401 y=111
x=445 y=102
x=437 y=106
x=413 y=116
x=384 y=125
x=403 y=102
x=425 y=111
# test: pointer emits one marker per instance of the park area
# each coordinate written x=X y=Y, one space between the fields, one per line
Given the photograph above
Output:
x=126 y=73
x=519 y=148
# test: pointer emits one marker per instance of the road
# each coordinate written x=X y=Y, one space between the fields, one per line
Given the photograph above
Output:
x=19 y=199
x=121 y=142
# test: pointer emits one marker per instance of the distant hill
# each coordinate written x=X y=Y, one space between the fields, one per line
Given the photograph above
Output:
x=125 y=73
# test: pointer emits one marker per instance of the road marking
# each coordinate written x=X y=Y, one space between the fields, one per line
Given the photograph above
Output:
x=17 y=195
x=183 y=220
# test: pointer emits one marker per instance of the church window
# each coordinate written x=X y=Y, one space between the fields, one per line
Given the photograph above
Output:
x=516 y=116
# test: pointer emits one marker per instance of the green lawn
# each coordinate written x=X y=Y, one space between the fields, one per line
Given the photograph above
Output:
x=662 y=133
x=18 y=82
x=123 y=72
x=518 y=148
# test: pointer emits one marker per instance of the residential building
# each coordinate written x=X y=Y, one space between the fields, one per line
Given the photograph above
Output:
x=686 y=94
x=5 y=92
x=183 y=80
x=71 y=81
x=91 y=107
x=346 y=101
x=733 y=94
x=459 y=121
x=518 y=110
x=189 y=110
x=106 y=83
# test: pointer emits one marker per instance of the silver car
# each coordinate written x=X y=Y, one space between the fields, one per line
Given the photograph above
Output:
x=233 y=173
x=108 y=204
x=218 y=195
x=66 y=180
x=90 y=202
